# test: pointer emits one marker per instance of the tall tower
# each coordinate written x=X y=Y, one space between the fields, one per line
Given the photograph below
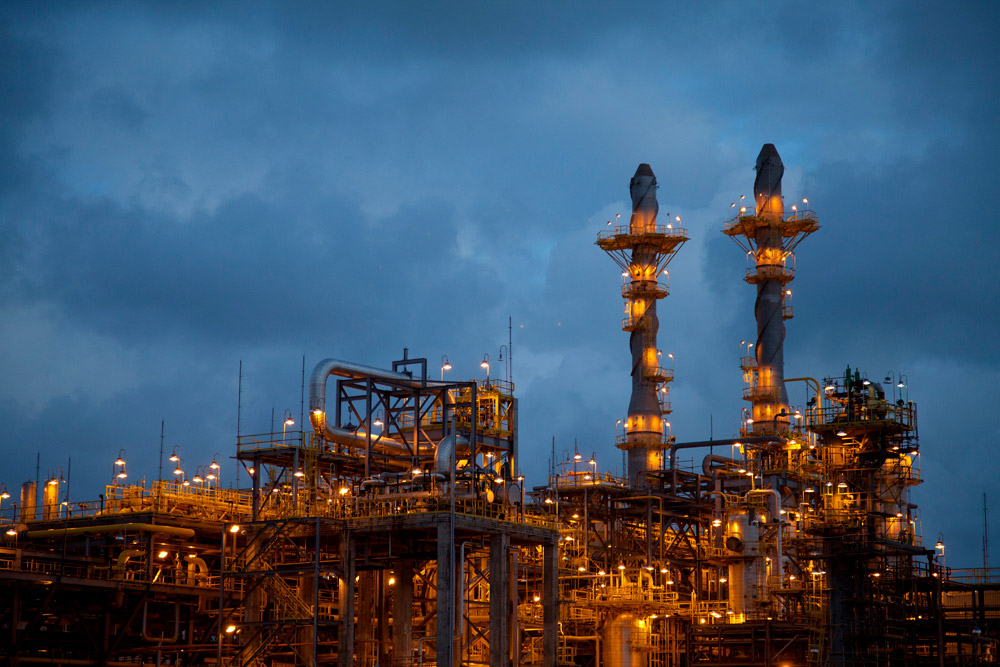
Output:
x=769 y=237
x=642 y=250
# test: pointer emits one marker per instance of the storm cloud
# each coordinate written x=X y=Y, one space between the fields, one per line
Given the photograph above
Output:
x=187 y=187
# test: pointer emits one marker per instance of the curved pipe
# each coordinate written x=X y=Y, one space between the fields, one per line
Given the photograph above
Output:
x=706 y=463
x=706 y=467
x=317 y=402
x=162 y=640
x=445 y=456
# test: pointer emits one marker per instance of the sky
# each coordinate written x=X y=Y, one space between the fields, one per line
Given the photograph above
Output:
x=187 y=186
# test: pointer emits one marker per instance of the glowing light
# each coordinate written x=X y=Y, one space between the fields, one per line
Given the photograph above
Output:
x=230 y=629
x=162 y=554
x=235 y=528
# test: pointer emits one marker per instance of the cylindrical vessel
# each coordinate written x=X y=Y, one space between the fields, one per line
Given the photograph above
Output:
x=743 y=575
x=625 y=642
x=50 y=500
x=28 y=502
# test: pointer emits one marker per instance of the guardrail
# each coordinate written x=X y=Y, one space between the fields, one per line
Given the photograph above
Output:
x=626 y=230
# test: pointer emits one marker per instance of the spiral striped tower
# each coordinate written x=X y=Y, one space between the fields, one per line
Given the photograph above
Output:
x=769 y=237
x=643 y=249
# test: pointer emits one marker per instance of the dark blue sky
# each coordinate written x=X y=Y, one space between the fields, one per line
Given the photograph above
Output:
x=186 y=186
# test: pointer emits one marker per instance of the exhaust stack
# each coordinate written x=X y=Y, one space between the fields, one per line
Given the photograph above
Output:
x=769 y=238
x=642 y=249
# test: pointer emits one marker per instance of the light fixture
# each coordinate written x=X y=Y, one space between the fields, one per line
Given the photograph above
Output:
x=299 y=473
x=235 y=528
x=175 y=455
x=230 y=629
x=841 y=433
x=162 y=554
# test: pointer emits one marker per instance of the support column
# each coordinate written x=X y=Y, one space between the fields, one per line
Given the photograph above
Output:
x=345 y=641
x=445 y=596
x=402 y=613
x=550 y=603
x=366 y=609
x=500 y=600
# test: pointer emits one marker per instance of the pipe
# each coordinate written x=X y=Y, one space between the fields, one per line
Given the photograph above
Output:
x=706 y=463
x=111 y=528
x=712 y=443
x=447 y=450
x=162 y=640
x=781 y=527
x=706 y=467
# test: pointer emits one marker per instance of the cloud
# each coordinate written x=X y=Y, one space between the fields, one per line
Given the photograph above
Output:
x=183 y=187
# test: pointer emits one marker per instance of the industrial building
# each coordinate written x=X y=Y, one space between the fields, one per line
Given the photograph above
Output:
x=398 y=529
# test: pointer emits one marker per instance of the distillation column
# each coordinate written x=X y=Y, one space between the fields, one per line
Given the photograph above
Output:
x=642 y=250
x=769 y=238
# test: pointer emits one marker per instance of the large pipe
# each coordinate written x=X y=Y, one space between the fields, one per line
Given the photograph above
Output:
x=112 y=528
x=317 y=403
x=446 y=453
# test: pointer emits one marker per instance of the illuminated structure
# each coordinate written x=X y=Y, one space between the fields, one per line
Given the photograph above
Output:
x=397 y=531
x=643 y=249
x=769 y=238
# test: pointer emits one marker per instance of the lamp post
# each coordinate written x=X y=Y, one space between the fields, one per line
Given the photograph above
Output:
x=445 y=365
x=4 y=495
x=506 y=361
x=118 y=469
x=486 y=364
x=214 y=471
x=286 y=422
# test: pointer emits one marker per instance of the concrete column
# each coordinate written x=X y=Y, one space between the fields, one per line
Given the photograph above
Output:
x=382 y=614
x=445 y=596
x=402 y=612
x=550 y=602
x=500 y=600
x=345 y=642
x=365 y=629
x=307 y=595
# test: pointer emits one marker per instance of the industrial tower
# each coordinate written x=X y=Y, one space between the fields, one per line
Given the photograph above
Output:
x=769 y=238
x=642 y=250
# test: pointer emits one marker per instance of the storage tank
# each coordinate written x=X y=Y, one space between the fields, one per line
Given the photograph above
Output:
x=626 y=642
x=28 y=502
x=50 y=499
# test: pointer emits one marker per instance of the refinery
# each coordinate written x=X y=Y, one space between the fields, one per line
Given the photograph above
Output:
x=395 y=526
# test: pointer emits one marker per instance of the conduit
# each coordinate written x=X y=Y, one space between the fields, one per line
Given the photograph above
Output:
x=112 y=528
